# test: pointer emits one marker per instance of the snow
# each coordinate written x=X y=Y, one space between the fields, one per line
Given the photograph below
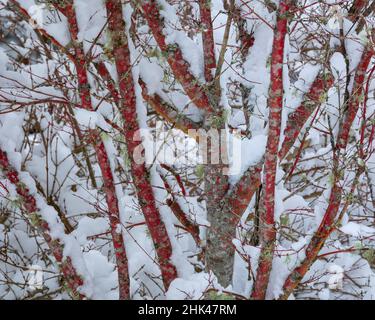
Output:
x=357 y=230
x=191 y=52
x=91 y=19
x=89 y=227
x=104 y=275
x=43 y=146
x=336 y=278
x=244 y=153
x=152 y=74
x=88 y=119
x=56 y=27
x=192 y=288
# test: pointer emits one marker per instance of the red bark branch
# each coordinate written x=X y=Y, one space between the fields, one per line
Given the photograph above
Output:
x=29 y=203
x=178 y=64
x=168 y=112
x=106 y=76
x=177 y=177
x=175 y=207
x=79 y=59
x=251 y=179
x=25 y=15
x=295 y=123
x=327 y=224
x=356 y=9
x=275 y=103
x=208 y=39
x=298 y=118
x=186 y=223
x=241 y=194
x=81 y=64
x=362 y=153
x=139 y=172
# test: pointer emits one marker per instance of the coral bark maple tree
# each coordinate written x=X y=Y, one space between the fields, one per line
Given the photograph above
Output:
x=234 y=229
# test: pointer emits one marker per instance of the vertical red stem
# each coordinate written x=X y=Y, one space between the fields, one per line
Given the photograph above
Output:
x=362 y=153
x=139 y=172
x=208 y=39
x=275 y=103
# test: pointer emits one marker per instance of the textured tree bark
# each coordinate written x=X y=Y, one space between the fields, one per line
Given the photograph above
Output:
x=168 y=112
x=361 y=22
x=223 y=208
x=208 y=40
x=179 y=66
x=241 y=194
x=81 y=63
x=224 y=212
x=70 y=274
x=298 y=118
x=139 y=172
x=106 y=76
x=275 y=103
x=328 y=221
x=216 y=180
x=79 y=59
x=181 y=216
x=219 y=251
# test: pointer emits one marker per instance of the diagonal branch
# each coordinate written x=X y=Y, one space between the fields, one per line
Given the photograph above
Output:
x=168 y=112
x=110 y=83
x=275 y=103
x=224 y=44
x=42 y=34
x=175 y=207
x=178 y=64
x=327 y=225
x=356 y=10
x=361 y=23
x=298 y=118
x=296 y=121
x=239 y=197
x=72 y=277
